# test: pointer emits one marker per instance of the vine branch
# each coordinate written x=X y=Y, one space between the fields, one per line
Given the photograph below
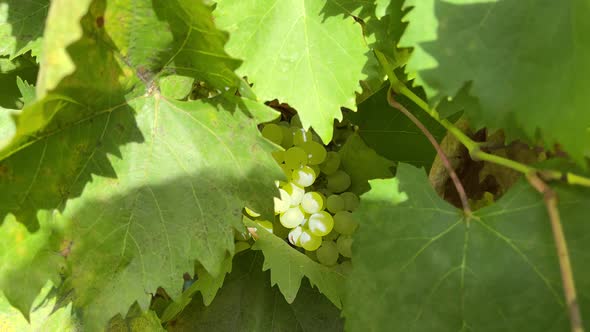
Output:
x=567 y=276
x=443 y=157
x=473 y=147
x=477 y=154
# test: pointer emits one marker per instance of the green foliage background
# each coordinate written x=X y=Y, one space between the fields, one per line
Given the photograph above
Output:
x=114 y=183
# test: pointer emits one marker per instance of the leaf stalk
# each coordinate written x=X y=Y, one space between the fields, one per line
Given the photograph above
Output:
x=443 y=157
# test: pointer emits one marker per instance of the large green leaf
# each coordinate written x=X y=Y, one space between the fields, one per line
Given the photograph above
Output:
x=62 y=29
x=21 y=26
x=206 y=284
x=29 y=259
x=42 y=318
x=419 y=266
x=136 y=321
x=362 y=164
x=288 y=266
x=528 y=63
x=176 y=195
x=295 y=54
x=100 y=84
x=176 y=36
x=146 y=184
x=247 y=303
x=392 y=134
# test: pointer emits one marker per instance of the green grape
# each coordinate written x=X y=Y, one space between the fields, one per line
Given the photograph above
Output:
x=295 y=157
x=287 y=137
x=303 y=177
x=316 y=138
x=321 y=223
x=312 y=255
x=295 y=192
x=345 y=267
x=241 y=246
x=273 y=132
x=295 y=236
x=312 y=202
x=316 y=153
x=325 y=192
x=344 y=245
x=344 y=223
x=301 y=136
x=283 y=203
x=279 y=230
x=327 y=253
x=316 y=169
x=332 y=236
x=292 y=217
x=266 y=225
x=351 y=200
x=335 y=203
x=331 y=163
x=338 y=182
x=296 y=121
x=309 y=241
x=286 y=170
x=279 y=156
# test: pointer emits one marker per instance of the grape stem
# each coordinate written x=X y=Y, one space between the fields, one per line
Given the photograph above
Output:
x=567 y=276
x=441 y=154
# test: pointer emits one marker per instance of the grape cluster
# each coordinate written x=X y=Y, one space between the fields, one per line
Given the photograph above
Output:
x=313 y=210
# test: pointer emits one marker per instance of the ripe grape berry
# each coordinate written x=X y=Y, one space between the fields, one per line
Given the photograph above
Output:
x=314 y=210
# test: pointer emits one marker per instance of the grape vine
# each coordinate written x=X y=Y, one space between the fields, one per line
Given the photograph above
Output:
x=294 y=165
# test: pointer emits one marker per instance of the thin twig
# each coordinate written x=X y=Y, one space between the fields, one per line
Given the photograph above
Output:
x=567 y=276
x=439 y=151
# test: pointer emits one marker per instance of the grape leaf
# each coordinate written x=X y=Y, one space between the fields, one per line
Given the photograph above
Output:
x=208 y=285
x=176 y=37
x=42 y=317
x=147 y=184
x=7 y=128
x=21 y=26
x=381 y=7
x=382 y=28
x=362 y=164
x=29 y=259
x=99 y=84
x=293 y=54
x=136 y=321
x=520 y=79
x=419 y=266
x=23 y=67
x=61 y=30
x=392 y=134
x=247 y=303
x=162 y=211
x=176 y=86
x=288 y=266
